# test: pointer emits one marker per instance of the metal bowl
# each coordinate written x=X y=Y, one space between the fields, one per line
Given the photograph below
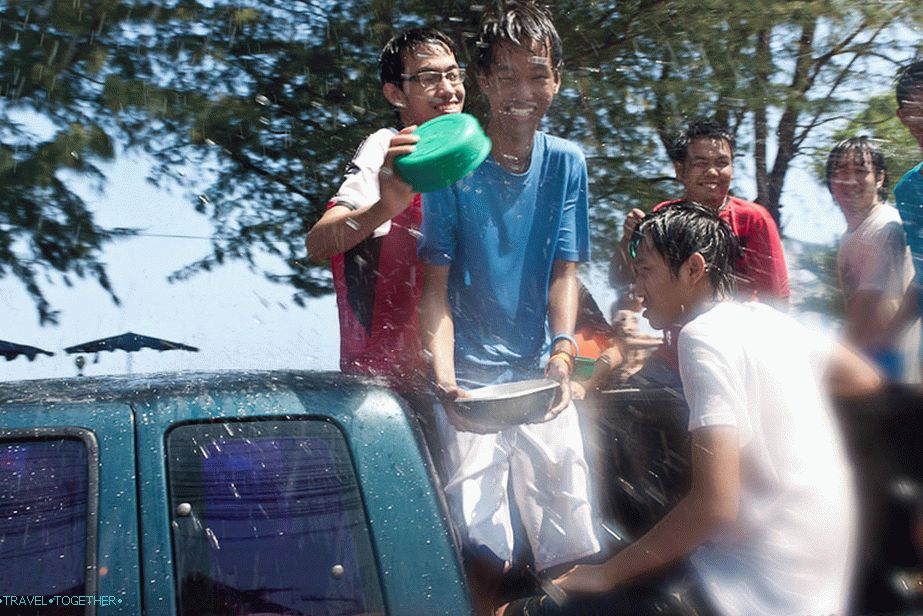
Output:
x=501 y=406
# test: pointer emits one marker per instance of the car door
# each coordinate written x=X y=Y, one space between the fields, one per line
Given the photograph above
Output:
x=282 y=500
x=68 y=508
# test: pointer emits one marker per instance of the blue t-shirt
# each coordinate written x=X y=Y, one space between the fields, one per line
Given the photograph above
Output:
x=909 y=200
x=501 y=232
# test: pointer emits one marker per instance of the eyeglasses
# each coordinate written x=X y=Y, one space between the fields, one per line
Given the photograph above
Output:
x=431 y=79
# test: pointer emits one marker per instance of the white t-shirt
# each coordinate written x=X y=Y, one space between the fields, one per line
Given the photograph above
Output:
x=875 y=257
x=791 y=548
x=360 y=186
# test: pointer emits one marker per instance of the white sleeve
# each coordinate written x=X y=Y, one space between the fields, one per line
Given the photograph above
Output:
x=710 y=365
x=883 y=263
x=360 y=186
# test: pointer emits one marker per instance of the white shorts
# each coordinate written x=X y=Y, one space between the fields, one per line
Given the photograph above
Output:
x=546 y=465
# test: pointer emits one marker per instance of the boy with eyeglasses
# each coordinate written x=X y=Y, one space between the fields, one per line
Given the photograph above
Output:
x=369 y=231
x=500 y=250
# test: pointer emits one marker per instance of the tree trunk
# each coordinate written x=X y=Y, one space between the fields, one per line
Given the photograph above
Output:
x=760 y=120
x=785 y=133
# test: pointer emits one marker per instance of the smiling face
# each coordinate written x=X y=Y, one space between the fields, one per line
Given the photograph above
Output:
x=417 y=104
x=519 y=87
x=707 y=171
x=854 y=184
x=910 y=113
x=661 y=292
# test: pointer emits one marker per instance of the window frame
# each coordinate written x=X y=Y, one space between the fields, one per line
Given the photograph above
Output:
x=91 y=447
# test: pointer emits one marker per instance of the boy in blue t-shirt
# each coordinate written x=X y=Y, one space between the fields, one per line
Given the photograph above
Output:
x=909 y=191
x=500 y=250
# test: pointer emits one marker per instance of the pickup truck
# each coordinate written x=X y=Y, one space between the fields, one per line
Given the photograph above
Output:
x=259 y=493
x=236 y=493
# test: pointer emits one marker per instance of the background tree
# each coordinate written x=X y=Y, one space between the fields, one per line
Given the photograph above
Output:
x=265 y=102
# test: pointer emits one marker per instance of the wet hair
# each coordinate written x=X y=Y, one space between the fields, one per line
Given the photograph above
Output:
x=519 y=23
x=679 y=147
x=589 y=315
x=391 y=59
x=859 y=148
x=909 y=82
x=679 y=230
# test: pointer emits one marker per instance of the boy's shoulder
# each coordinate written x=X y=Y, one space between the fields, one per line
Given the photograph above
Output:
x=560 y=146
x=911 y=178
x=750 y=209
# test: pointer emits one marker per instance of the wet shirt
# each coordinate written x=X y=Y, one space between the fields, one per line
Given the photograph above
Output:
x=909 y=200
x=760 y=271
x=792 y=546
x=874 y=257
x=501 y=233
x=378 y=282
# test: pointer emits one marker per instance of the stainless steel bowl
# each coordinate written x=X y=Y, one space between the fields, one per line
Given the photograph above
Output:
x=497 y=407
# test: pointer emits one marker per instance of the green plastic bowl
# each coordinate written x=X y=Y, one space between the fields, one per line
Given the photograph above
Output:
x=451 y=146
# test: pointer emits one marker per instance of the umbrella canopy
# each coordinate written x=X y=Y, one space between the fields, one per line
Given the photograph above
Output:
x=12 y=350
x=130 y=342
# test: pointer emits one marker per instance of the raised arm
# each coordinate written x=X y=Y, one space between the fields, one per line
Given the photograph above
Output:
x=341 y=227
x=620 y=273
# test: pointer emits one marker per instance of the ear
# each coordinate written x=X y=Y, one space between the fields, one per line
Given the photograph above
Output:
x=678 y=169
x=394 y=95
x=695 y=268
x=880 y=180
x=557 y=80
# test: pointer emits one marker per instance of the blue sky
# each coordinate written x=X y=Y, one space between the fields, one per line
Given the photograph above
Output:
x=235 y=317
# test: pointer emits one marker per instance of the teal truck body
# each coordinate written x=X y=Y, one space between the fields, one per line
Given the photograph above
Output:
x=231 y=493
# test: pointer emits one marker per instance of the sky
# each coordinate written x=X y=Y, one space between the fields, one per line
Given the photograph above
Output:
x=237 y=319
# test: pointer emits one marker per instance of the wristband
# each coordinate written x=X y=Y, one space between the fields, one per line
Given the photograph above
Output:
x=568 y=360
x=567 y=337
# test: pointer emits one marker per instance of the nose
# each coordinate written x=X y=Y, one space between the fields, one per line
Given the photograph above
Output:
x=444 y=87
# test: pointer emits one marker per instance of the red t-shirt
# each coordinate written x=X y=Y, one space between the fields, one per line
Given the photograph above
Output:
x=761 y=273
x=379 y=281
x=378 y=285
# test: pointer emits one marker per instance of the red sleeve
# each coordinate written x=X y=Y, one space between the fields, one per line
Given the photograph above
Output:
x=765 y=257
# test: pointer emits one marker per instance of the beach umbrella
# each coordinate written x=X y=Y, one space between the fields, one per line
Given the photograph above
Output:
x=129 y=342
x=12 y=350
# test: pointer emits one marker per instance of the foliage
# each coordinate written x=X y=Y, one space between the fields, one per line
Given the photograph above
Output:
x=267 y=100
x=879 y=122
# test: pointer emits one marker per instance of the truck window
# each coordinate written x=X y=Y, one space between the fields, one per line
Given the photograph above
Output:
x=43 y=520
x=268 y=519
